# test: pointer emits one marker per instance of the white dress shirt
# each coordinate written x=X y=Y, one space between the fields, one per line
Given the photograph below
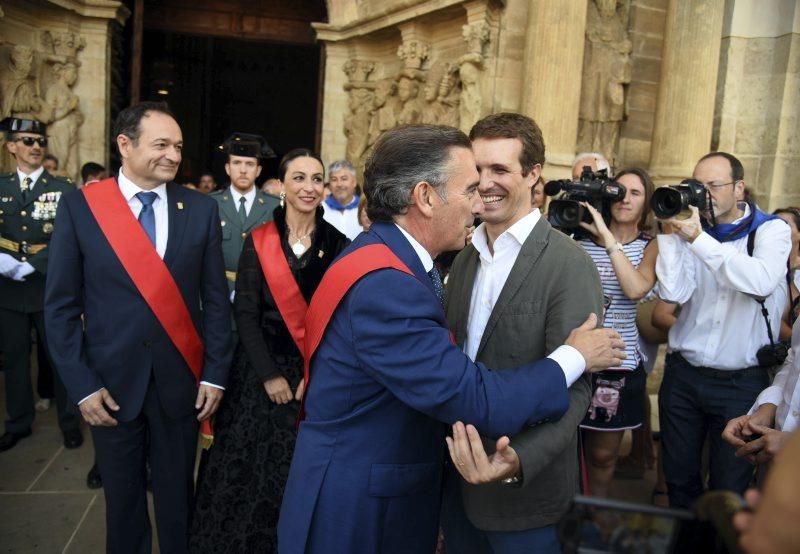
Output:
x=160 y=207
x=785 y=389
x=346 y=221
x=491 y=277
x=720 y=324
x=249 y=198
x=34 y=176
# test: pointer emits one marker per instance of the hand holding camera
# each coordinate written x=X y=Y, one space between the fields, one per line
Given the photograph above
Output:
x=688 y=229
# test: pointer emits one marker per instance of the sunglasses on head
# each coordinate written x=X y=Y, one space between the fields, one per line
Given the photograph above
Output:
x=29 y=141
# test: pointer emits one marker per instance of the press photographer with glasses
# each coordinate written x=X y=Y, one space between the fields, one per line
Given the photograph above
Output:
x=725 y=262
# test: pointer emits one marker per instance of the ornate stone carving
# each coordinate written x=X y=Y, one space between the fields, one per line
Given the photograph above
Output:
x=440 y=95
x=408 y=92
x=20 y=88
x=606 y=71
x=358 y=71
x=63 y=45
x=413 y=53
x=385 y=108
x=67 y=118
x=470 y=67
x=477 y=37
x=357 y=121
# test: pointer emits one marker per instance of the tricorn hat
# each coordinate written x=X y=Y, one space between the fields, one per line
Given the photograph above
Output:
x=245 y=144
x=21 y=125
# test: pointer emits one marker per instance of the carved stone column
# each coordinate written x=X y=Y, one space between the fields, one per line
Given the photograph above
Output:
x=685 y=109
x=553 y=64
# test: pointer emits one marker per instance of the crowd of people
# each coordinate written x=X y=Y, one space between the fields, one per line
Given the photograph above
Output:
x=453 y=359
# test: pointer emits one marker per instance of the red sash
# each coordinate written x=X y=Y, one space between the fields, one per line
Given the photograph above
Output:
x=281 y=282
x=147 y=271
x=335 y=284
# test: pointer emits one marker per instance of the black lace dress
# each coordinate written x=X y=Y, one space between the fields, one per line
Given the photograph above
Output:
x=241 y=486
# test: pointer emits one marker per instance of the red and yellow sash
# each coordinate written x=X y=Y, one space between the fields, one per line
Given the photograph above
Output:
x=335 y=284
x=148 y=272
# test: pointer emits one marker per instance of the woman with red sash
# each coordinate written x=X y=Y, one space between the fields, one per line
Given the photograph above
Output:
x=281 y=265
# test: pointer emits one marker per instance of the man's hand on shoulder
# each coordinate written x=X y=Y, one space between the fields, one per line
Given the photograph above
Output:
x=471 y=461
x=600 y=348
x=208 y=399
x=93 y=409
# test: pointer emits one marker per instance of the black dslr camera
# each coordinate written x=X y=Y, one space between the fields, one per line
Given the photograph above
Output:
x=674 y=200
x=772 y=355
x=598 y=189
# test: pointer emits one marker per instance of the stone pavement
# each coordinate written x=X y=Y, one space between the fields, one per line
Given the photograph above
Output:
x=45 y=506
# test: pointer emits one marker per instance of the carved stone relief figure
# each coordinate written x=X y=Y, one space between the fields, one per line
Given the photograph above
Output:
x=470 y=66
x=408 y=93
x=606 y=71
x=385 y=108
x=67 y=117
x=430 y=92
x=449 y=99
x=357 y=122
x=441 y=96
x=20 y=94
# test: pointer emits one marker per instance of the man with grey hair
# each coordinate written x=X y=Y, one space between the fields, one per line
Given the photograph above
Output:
x=341 y=207
x=385 y=377
x=595 y=160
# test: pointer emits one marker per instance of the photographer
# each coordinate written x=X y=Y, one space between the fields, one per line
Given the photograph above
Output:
x=625 y=257
x=714 y=370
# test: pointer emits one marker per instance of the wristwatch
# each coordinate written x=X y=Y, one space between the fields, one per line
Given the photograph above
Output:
x=613 y=248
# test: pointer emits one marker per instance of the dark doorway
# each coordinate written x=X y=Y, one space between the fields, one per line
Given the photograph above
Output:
x=218 y=85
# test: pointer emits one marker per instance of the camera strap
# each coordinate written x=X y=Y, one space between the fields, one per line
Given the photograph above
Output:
x=751 y=241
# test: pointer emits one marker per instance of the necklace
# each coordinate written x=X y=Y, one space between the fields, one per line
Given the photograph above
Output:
x=298 y=248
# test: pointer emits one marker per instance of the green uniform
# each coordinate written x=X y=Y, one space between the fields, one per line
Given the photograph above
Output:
x=25 y=231
x=233 y=232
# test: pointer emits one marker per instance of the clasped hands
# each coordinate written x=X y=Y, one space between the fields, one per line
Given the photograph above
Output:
x=753 y=436
x=95 y=408
x=280 y=392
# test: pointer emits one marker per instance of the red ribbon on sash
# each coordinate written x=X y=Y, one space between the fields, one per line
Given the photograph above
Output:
x=148 y=272
x=335 y=284
x=282 y=285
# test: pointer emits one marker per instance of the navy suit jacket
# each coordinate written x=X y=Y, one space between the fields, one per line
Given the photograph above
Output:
x=120 y=342
x=366 y=472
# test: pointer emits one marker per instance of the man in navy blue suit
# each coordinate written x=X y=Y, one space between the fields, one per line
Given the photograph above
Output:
x=386 y=378
x=123 y=313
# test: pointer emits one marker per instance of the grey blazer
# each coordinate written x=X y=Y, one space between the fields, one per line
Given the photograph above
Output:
x=552 y=288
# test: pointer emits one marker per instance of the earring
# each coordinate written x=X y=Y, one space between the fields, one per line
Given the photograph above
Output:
x=282 y=197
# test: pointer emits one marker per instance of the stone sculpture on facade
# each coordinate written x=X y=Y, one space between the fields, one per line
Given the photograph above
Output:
x=606 y=71
x=67 y=117
x=470 y=66
x=357 y=121
x=385 y=108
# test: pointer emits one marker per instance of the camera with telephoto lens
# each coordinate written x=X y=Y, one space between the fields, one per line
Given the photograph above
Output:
x=597 y=189
x=674 y=200
x=771 y=355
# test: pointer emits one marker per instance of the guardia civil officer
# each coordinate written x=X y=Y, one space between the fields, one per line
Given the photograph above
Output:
x=28 y=199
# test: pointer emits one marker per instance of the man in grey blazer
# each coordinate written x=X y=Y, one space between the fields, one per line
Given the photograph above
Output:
x=513 y=296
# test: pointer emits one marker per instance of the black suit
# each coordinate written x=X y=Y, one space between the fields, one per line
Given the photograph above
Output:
x=125 y=349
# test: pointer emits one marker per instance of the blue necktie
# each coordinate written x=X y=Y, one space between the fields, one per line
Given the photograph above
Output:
x=147 y=218
x=438 y=288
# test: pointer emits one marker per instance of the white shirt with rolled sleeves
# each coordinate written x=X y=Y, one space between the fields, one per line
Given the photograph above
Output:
x=129 y=189
x=720 y=324
x=785 y=389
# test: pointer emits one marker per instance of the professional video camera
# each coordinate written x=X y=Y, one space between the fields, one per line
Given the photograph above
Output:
x=674 y=200
x=598 y=189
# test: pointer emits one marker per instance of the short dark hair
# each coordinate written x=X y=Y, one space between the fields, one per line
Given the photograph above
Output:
x=51 y=157
x=644 y=221
x=402 y=158
x=737 y=170
x=294 y=154
x=129 y=120
x=514 y=126
x=91 y=168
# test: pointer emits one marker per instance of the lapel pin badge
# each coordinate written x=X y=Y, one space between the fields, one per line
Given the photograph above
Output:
x=321 y=253
x=180 y=205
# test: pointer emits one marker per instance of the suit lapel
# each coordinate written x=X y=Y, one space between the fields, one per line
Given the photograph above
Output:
x=397 y=242
x=461 y=295
x=257 y=211
x=526 y=260
x=178 y=216
x=229 y=208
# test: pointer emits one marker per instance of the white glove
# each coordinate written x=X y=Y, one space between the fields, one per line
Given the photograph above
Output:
x=8 y=265
x=23 y=270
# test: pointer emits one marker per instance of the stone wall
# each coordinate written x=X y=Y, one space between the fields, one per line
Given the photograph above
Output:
x=757 y=114
x=54 y=66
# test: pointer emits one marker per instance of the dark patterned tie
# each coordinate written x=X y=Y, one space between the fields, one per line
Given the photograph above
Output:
x=242 y=210
x=25 y=187
x=438 y=288
x=147 y=217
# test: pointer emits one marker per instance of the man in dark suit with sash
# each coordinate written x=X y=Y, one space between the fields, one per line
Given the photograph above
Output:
x=384 y=375
x=123 y=313
x=28 y=199
x=242 y=206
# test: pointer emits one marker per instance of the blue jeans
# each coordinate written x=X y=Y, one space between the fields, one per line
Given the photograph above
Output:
x=695 y=403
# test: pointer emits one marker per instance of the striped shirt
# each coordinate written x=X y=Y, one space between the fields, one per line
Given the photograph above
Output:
x=620 y=312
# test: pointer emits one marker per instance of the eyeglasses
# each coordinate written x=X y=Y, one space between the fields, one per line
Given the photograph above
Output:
x=717 y=186
x=29 y=141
